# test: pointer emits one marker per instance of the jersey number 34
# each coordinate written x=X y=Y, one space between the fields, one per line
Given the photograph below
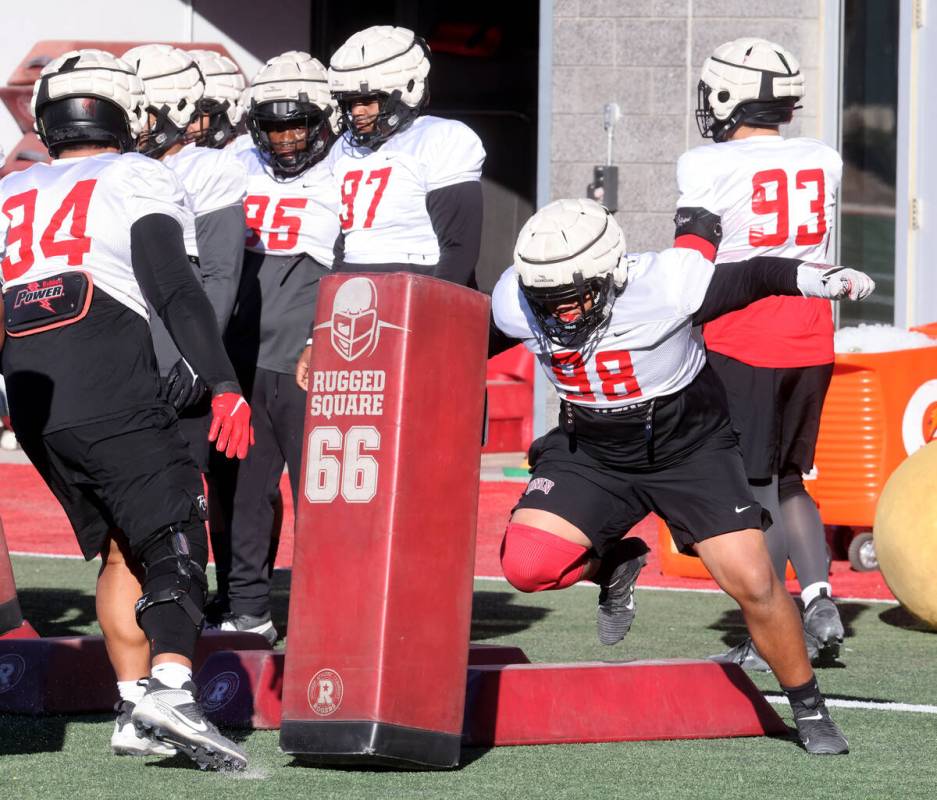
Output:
x=20 y=210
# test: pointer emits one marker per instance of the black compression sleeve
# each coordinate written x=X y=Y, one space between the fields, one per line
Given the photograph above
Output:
x=456 y=214
x=737 y=284
x=161 y=267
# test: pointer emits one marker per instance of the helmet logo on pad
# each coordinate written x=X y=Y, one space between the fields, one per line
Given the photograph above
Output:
x=219 y=691
x=355 y=329
x=325 y=692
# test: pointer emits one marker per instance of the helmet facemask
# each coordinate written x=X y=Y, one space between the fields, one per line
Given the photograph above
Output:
x=301 y=151
x=755 y=113
x=392 y=117
x=161 y=134
x=593 y=298
x=214 y=125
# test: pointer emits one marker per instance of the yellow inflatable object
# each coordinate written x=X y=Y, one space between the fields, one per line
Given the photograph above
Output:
x=905 y=533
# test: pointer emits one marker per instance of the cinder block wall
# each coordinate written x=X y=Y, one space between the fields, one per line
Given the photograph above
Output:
x=646 y=56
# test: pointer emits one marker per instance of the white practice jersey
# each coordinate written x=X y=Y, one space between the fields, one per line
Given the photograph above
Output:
x=383 y=192
x=649 y=349
x=212 y=179
x=76 y=214
x=291 y=216
x=774 y=194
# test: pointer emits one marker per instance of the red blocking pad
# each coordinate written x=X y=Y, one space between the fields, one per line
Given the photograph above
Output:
x=600 y=702
x=243 y=688
x=71 y=674
x=381 y=594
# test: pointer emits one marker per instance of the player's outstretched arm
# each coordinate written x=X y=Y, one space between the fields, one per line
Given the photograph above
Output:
x=736 y=285
x=161 y=267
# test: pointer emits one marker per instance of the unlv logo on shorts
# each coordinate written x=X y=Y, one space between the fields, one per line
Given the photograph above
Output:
x=355 y=327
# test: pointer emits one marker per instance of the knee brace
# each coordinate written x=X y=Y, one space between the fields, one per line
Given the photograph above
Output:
x=534 y=560
x=174 y=587
x=790 y=484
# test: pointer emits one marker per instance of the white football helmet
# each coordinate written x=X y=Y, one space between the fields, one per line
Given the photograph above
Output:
x=751 y=81
x=291 y=91
x=568 y=258
x=383 y=63
x=62 y=111
x=221 y=103
x=174 y=86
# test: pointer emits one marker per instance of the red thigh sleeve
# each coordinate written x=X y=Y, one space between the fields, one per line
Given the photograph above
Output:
x=534 y=560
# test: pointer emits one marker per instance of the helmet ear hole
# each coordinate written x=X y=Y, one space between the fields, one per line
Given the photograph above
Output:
x=724 y=96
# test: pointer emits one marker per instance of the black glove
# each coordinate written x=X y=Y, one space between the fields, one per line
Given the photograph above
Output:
x=182 y=388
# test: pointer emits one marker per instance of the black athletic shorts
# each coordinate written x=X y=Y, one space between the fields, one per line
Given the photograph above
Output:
x=703 y=495
x=131 y=472
x=776 y=412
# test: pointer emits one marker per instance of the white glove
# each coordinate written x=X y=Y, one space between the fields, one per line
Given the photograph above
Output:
x=833 y=283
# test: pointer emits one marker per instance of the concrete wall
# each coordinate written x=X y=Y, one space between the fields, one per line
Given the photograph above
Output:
x=646 y=56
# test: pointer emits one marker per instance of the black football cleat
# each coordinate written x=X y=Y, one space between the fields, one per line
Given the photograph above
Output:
x=616 y=609
x=822 y=623
x=816 y=729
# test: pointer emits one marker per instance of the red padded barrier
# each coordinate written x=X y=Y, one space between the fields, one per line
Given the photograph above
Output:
x=244 y=688
x=38 y=676
x=381 y=594
x=602 y=702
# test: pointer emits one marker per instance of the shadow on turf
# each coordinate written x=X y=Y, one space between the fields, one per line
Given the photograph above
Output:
x=51 y=611
x=733 y=625
x=30 y=735
x=899 y=617
x=497 y=614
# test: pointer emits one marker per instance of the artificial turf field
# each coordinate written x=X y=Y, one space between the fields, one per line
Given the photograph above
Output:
x=888 y=658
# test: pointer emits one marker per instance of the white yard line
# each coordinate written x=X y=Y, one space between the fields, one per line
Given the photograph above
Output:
x=867 y=705
x=587 y=585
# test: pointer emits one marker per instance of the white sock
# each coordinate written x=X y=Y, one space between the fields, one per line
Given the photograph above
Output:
x=172 y=674
x=131 y=691
x=811 y=592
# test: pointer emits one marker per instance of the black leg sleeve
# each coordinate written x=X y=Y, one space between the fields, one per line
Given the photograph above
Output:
x=162 y=269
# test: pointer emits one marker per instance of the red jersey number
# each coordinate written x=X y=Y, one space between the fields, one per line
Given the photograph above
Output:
x=613 y=368
x=350 y=187
x=770 y=197
x=283 y=233
x=20 y=210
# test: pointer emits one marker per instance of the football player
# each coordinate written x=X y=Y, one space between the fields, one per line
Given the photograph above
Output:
x=292 y=217
x=410 y=183
x=220 y=108
x=775 y=197
x=215 y=183
x=89 y=242
x=644 y=427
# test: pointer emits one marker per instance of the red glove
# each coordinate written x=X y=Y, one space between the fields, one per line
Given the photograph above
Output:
x=231 y=424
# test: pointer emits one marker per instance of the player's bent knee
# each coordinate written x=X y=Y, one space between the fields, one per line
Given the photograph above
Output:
x=174 y=586
x=535 y=560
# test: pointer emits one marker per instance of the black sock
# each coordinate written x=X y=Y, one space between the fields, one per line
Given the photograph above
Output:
x=805 y=695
